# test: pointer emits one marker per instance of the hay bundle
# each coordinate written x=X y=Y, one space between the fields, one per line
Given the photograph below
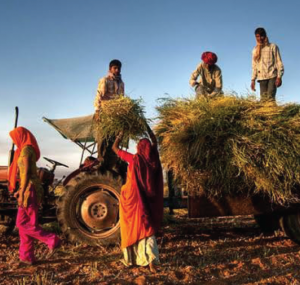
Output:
x=232 y=145
x=121 y=114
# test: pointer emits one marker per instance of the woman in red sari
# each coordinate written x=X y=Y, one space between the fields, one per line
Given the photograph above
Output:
x=29 y=195
x=141 y=203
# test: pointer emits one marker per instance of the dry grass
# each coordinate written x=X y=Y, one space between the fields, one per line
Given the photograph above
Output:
x=231 y=145
x=223 y=250
x=122 y=114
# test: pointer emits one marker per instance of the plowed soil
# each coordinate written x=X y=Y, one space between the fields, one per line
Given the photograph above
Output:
x=225 y=250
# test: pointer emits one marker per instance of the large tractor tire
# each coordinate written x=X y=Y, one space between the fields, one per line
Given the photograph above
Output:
x=290 y=224
x=88 y=212
x=269 y=223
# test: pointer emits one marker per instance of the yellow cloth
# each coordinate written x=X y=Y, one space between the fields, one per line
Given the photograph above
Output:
x=34 y=180
x=141 y=253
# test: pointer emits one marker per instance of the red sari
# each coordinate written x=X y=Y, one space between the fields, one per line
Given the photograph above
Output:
x=141 y=202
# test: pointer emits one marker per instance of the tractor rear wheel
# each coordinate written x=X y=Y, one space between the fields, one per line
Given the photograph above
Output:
x=88 y=211
x=290 y=224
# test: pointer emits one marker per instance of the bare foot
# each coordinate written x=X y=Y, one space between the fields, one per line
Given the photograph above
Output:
x=23 y=263
x=152 y=267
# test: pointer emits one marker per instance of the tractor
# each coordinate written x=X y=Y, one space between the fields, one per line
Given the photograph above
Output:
x=88 y=209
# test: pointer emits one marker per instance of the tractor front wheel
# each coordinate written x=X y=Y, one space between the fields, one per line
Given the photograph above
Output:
x=88 y=212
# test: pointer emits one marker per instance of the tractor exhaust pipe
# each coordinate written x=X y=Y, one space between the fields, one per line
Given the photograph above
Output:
x=12 y=151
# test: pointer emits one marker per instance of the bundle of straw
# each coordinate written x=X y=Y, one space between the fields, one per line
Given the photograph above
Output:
x=121 y=114
x=232 y=145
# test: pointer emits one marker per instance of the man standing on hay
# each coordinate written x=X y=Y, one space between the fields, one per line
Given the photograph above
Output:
x=108 y=87
x=267 y=66
x=210 y=82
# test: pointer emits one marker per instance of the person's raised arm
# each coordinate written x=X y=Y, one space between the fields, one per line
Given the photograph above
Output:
x=116 y=144
x=152 y=136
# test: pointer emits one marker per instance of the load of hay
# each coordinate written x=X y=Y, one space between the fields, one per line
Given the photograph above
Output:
x=121 y=114
x=231 y=145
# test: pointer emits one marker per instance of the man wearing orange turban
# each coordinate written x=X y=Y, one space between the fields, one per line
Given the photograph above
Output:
x=209 y=84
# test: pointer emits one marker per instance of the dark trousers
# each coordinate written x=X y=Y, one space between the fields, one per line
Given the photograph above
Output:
x=105 y=153
x=109 y=160
x=267 y=89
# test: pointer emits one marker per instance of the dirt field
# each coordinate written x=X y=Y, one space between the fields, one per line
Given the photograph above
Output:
x=199 y=251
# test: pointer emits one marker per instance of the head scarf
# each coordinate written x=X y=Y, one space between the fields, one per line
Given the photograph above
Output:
x=21 y=137
x=209 y=58
x=149 y=181
x=144 y=149
x=258 y=48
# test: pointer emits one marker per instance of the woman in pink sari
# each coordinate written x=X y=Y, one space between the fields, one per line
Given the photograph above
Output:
x=29 y=195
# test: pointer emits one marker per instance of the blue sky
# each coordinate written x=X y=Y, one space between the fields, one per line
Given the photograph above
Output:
x=53 y=53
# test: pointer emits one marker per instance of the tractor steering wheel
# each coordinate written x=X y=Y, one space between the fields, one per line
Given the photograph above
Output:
x=55 y=163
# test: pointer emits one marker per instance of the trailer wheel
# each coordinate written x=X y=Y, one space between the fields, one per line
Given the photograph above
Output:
x=269 y=223
x=88 y=212
x=290 y=225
